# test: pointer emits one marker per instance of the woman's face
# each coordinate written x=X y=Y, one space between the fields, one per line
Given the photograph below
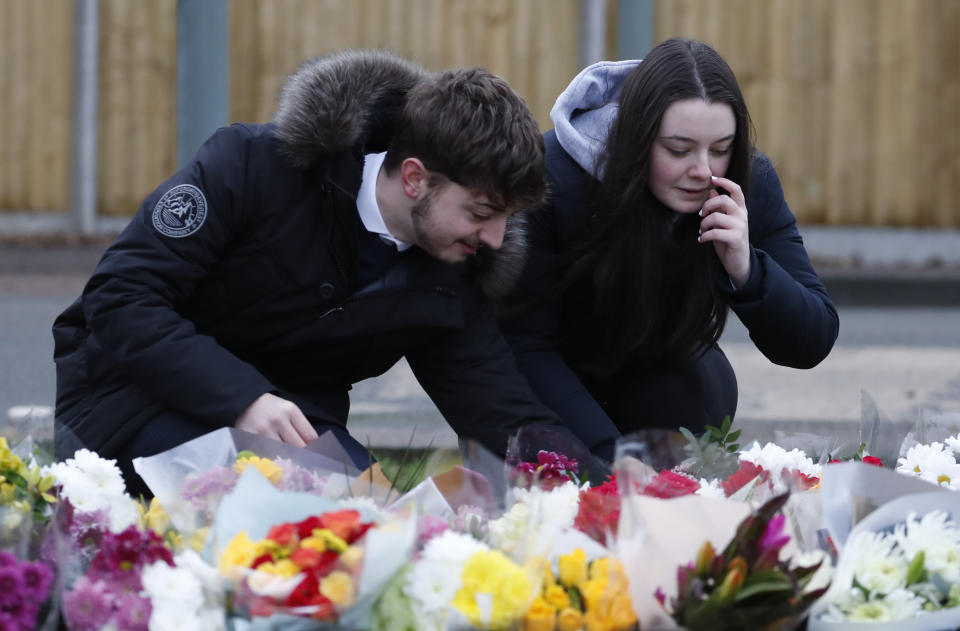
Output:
x=694 y=142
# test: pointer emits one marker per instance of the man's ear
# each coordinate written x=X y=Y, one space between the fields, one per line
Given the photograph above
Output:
x=413 y=177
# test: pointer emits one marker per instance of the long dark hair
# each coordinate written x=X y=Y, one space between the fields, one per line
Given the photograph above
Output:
x=640 y=290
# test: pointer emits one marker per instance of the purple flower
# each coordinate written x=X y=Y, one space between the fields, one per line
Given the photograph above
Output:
x=204 y=490
x=430 y=527
x=770 y=543
x=132 y=612
x=297 y=478
x=11 y=584
x=37 y=578
x=9 y=623
x=89 y=605
x=7 y=559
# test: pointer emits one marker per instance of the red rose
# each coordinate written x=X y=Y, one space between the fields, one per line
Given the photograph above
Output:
x=670 y=484
x=874 y=461
x=285 y=535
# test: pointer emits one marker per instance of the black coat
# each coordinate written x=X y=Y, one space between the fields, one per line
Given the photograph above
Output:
x=258 y=292
x=784 y=305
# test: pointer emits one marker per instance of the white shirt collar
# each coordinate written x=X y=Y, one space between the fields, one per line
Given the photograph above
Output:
x=370 y=213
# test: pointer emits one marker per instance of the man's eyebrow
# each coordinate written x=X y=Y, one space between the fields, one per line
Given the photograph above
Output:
x=497 y=208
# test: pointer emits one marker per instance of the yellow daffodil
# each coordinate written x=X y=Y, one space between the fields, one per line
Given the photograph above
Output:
x=557 y=597
x=541 y=616
x=572 y=568
x=569 y=619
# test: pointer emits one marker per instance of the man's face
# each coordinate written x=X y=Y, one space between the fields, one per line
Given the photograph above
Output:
x=450 y=223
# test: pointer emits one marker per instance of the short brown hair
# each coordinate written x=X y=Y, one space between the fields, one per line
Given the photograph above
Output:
x=471 y=127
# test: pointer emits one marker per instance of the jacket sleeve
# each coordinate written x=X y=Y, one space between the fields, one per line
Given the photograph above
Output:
x=533 y=328
x=784 y=305
x=472 y=377
x=130 y=303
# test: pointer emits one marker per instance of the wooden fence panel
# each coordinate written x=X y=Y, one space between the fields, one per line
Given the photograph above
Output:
x=36 y=45
x=855 y=100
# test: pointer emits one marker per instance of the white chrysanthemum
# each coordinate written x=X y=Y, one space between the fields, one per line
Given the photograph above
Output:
x=435 y=579
x=123 y=513
x=775 y=459
x=175 y=619
x=536 y=517
x=507 y=532
x=926 y=458
x=874 y=561
x=171 y=587
x=901 y=604
x=711 y=488
x=939 y=540
x=953 y=443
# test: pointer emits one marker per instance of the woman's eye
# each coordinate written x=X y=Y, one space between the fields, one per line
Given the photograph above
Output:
x=679 y=153
x=720 y=152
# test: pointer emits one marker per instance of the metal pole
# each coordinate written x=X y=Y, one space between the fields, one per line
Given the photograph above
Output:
x=202 y=73
x=635 y=28
x=83 y=163
x=593 y=31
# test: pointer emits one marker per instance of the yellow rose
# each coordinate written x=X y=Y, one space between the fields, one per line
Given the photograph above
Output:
x=569 y=619
x=268 y=468
x=330 y=540
x=284 y=568
x=352 y=556
x=557 y=597
x=540 y=617
x=572 y=568
x=621 y=612
x=339 y=588
x=268 y=546
x=240 y=552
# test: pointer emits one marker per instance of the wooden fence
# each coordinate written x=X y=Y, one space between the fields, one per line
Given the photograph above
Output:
x=857 y=101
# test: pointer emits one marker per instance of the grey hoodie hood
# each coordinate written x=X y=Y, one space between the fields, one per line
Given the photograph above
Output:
x=584 y=111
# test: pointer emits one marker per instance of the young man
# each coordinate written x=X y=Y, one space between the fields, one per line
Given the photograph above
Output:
x=370 y=221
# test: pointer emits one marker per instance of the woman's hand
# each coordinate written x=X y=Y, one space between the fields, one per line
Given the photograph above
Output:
x=724 y=224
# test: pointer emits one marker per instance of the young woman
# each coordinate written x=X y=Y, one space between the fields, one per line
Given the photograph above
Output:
x=662 y=217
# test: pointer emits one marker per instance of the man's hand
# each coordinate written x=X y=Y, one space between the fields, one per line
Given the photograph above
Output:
x=277 y=418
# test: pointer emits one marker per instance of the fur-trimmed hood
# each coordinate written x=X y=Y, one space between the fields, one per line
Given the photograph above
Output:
x=352 y=99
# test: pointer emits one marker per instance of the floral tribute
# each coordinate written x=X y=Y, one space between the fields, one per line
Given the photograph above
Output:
x=205 y=490
x=456 y=582
x=898 y=575
x=309 y=568
x=747 y=585
x=24 y=588
x=110 y=592
x=582 y=595
x=599 y=511
x=936 y=463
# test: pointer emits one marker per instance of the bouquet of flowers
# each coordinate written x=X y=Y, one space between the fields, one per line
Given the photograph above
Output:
x=25 y=502
x=24 y=589
x=192 y=479
x=748 y=585
x=581 y=594
x=456 y=582
x=899 y=569
x=305 y=560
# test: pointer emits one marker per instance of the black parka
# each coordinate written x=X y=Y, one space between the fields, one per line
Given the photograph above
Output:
x=238 y=276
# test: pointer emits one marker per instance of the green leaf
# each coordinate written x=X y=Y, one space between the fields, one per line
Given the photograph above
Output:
x=725 y=427
x=916 y=573
x=733 y=435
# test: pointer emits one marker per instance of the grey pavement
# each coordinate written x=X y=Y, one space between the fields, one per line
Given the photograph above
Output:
x=898 y=293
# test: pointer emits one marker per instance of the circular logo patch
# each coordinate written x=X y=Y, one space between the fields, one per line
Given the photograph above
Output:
x=180 y=212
